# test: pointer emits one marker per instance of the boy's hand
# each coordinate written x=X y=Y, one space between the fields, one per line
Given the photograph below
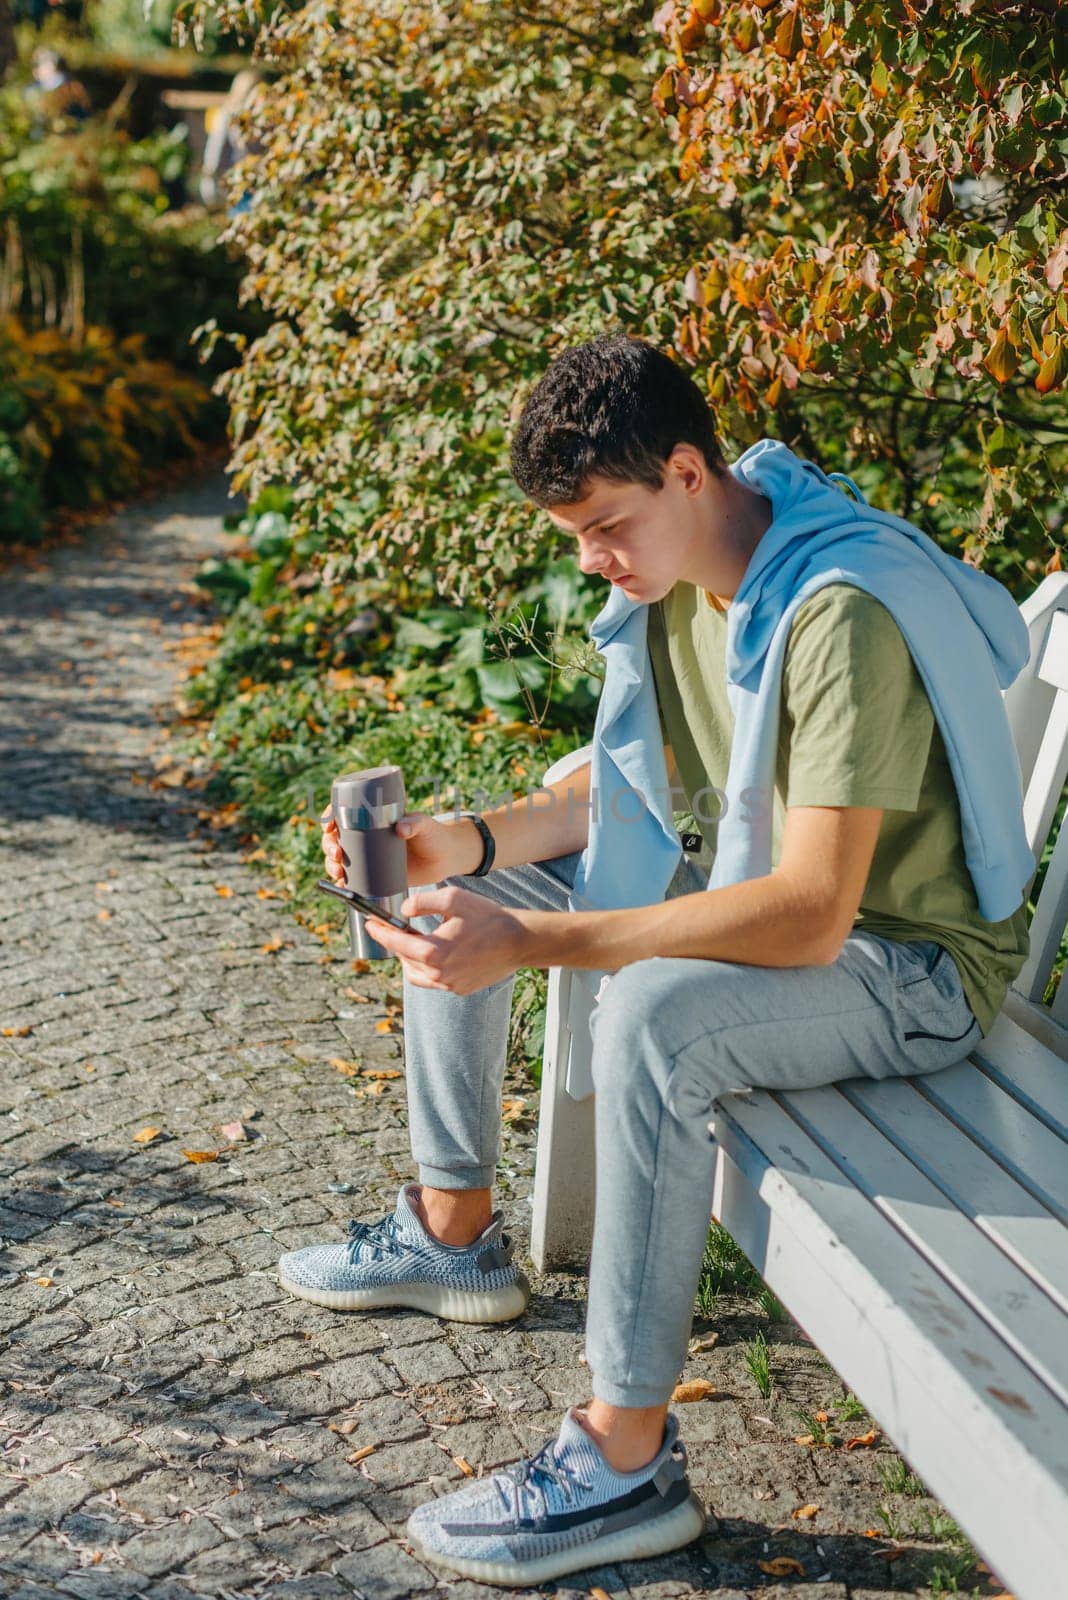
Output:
x=436 y=850
x=478 y=944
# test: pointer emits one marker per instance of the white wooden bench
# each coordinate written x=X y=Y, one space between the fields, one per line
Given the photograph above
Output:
x=916 y=1229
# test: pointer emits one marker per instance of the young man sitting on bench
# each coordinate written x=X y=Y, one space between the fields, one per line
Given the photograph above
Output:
x=828 y=682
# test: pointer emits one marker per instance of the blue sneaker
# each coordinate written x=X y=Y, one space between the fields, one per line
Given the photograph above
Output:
x=395 y=1262
x=561 y=1511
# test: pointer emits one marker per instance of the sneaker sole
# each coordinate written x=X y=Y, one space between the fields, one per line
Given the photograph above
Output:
x=653 y=1538
x=452 y=1305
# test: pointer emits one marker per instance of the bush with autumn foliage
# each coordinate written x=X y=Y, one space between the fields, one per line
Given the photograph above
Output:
x=891 y=290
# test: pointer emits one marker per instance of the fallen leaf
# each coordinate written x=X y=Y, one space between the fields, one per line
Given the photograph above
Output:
x=382 y=1072
x=360 y=999
x=782 y=1567
x=600 y=1594
x=224 y=889
x=820 y=1416
x=384 y=1027
x=873 y=1533
x=105 y=887
x=372 y=1088
x=146 y=1135
x=695 y=1389
x=512 y=1110
x=348 y=1426
x=360 y=966
x=17 y=1033
x=234 y=1131
x=201 y=1155
x=465 y=1466
x=862 y=1440
x=361 y=1455
x=272 y=945
x=88 y=1067
x=804 y=1513
x=348 y=1069
x=707 y=1341
x=267 y=894
x=46 y=1283
x=104 y=916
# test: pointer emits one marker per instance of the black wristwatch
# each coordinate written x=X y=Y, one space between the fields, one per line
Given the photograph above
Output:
x=489 y=844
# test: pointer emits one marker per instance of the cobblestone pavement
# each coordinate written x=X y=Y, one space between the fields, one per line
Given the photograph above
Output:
x=173 y=1425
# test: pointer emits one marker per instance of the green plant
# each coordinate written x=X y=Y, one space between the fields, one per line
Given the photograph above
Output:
x=772 y=1306
x=724 y=1270
x=945 y=1576
x=815 y=1426
x=758 y=1360
x=890 y=1521
x=851 y=1410
x=897 y=1477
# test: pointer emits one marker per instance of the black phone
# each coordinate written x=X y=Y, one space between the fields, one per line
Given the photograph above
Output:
x=369 y=908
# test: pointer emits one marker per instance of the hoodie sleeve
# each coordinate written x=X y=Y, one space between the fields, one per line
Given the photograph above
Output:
x=856 y=723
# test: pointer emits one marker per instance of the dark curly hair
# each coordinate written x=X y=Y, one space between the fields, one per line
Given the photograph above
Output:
x=616 y=407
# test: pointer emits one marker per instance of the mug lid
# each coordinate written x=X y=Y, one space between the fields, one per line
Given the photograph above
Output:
x=373 y=786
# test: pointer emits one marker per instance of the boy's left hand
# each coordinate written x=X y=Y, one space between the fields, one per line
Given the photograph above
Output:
x=478 y=944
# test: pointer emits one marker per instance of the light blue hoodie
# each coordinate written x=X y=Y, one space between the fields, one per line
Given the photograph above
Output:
x=962 y=627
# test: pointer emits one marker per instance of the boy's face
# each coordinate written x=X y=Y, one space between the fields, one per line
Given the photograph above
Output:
x=639 y=539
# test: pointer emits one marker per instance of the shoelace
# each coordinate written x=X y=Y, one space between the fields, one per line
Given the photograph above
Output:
x=380 y=1237
x=524 y=1473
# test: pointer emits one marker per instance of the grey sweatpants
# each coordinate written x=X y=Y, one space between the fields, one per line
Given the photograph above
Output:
x=669 y=1035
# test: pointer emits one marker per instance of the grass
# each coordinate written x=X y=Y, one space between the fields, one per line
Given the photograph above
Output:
x=758 y=1360
x=820 y=1431
x=725 y=1269
x=898 y=1478
x=772 y=1306
x=850 y=1409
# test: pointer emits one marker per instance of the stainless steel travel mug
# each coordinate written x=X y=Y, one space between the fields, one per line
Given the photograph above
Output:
x=366 y=807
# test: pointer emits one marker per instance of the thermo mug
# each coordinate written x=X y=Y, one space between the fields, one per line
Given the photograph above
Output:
x=366 y=806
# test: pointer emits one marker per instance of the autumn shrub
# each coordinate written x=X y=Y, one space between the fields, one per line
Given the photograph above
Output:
x=438 y=199
x=82 y=423
x=890 y=292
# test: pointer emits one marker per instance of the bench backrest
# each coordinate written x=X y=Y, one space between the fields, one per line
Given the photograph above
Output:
x=1037 y=704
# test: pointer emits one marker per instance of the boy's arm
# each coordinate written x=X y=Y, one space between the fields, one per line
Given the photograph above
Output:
x=536 y=827
x=798 y=915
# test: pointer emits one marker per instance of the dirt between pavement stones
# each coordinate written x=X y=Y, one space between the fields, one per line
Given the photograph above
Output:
x=173 y=1424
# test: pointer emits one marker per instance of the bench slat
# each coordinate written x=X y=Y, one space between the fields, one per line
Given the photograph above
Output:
x=996 y=1289
x=1034 y=1156
x=1047 y=923
x=1023 y=1229
x=967 y=1413
x=1028 y=1070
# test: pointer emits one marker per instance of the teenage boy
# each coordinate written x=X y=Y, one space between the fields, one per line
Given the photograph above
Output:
x=825 y=682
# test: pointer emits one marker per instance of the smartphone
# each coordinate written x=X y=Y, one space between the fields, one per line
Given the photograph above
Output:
x=369 y=908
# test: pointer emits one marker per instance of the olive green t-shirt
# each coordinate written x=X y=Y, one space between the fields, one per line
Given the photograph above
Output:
x=856 y=729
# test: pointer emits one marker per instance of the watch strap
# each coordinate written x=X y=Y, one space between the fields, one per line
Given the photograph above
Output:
x=489 y=844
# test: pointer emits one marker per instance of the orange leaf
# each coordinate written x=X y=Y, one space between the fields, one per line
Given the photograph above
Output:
x=201 y=1155
x=360 y=999
x=16 y=1033
x=1002 y=359
x=46 y=1283
x=104 y=916
x=465 y=1466
x=382 y=1072
x=511 y=1110
x=272 y=945
x=348 y=1069
x=782 y=1567
x=267 y=894
x=862 y=1440
x=695 y=1389
x=804 y=1513
x=789 y=37
x=361 y=1455
x=820 y=1416
x=224 y=889
x=384 y=1027
x=146 y=1135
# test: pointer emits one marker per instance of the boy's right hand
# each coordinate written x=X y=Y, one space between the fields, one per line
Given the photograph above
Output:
x=436 y=850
